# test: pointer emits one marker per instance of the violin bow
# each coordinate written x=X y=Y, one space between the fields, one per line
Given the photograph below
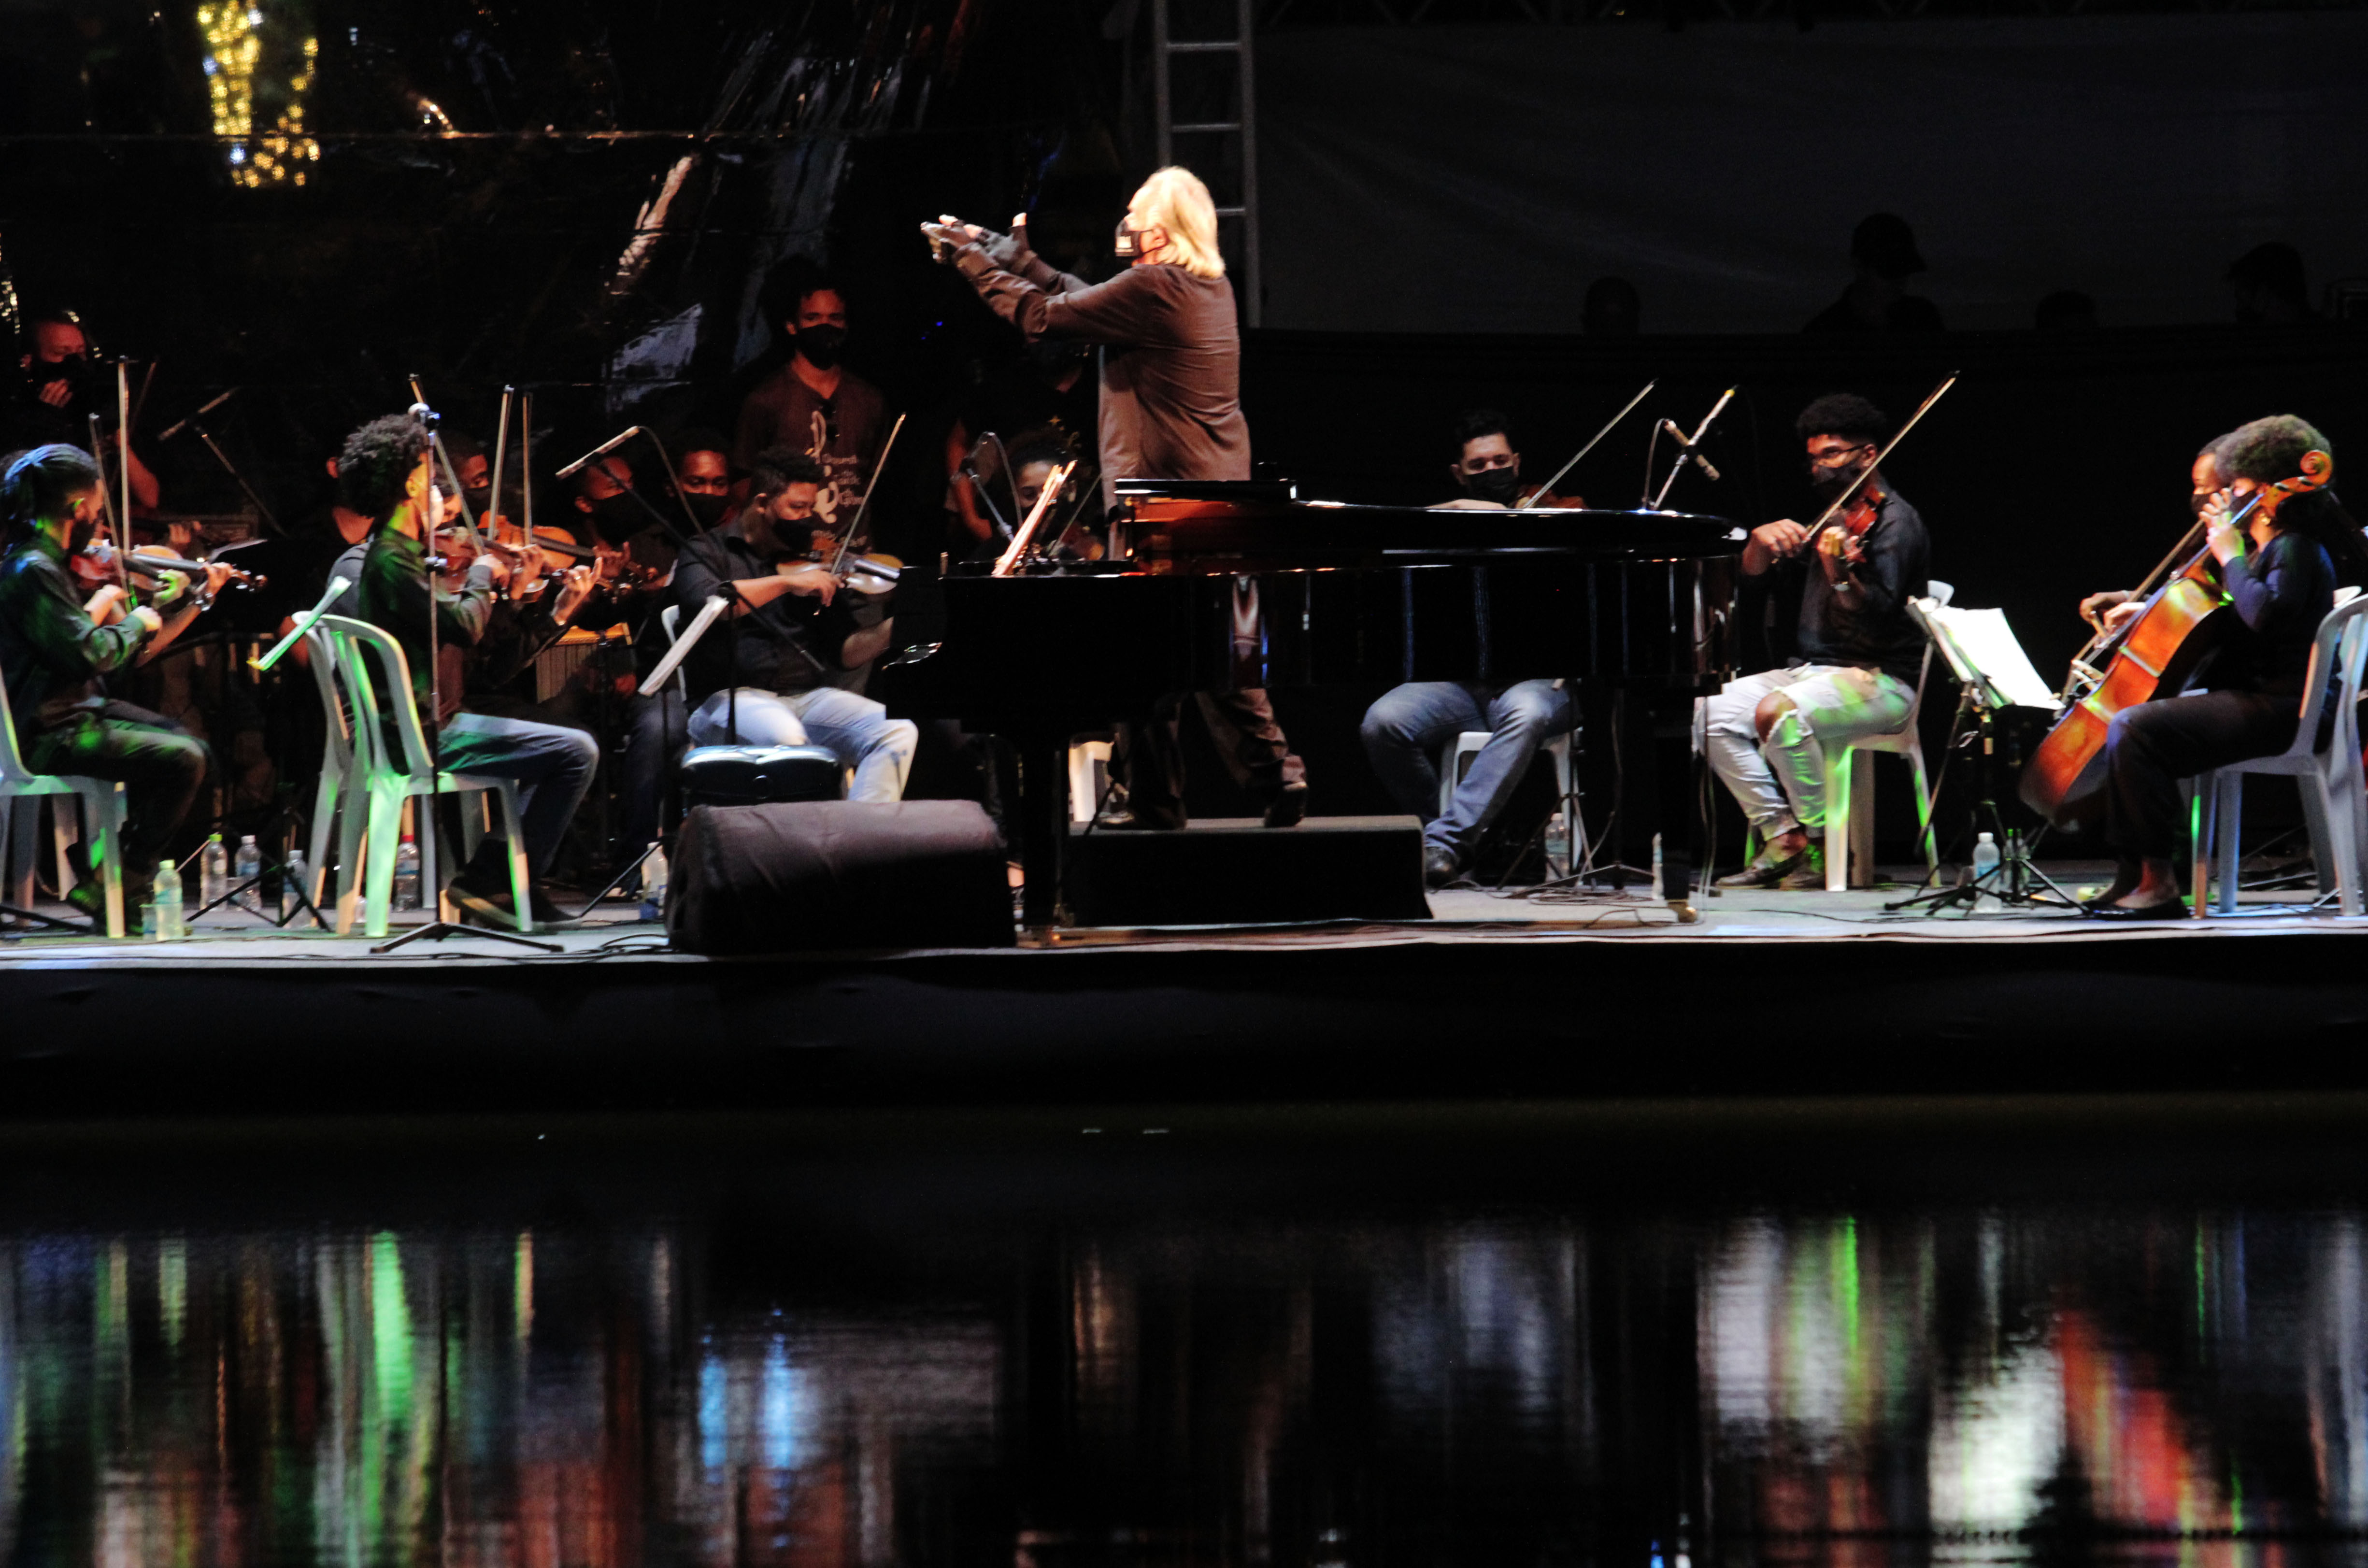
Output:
x=1027 y=534
x=119 y=537
x=1850 y=490
x=846 y=539
x=1527 y=502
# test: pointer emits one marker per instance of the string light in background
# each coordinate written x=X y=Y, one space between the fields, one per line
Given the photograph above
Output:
x=235 y=42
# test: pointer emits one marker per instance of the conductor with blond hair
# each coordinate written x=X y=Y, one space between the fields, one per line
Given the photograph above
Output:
x=1170 y=409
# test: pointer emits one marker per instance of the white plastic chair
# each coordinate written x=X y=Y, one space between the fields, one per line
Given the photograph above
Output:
x=102 y=806
x=1467 y=744
x=2333 y=801
x=385 y=781
x=1849 y=791
x=337 y=773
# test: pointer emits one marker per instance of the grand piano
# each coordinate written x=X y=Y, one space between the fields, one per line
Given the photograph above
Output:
x=1219 y=586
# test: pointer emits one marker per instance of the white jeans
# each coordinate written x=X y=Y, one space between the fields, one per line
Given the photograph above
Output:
x=1782 y=785
x=855 y=730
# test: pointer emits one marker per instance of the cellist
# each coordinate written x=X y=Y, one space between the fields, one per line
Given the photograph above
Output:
x=2272 y=545
x=2116 y=607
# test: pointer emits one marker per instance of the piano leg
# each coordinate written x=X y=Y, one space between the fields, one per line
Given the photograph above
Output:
x=1663 y=789
x=1043 y=815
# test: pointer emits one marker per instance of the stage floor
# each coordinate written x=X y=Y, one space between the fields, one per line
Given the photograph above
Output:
x=1460 y=915
x=1770 y=994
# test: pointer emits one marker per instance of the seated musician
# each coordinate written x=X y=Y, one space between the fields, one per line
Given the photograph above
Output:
x=62 y=387
x=1488 y=471
x=1404 y=731
x=384 y=471
x=799 y=661
x=1858 y=658
x=1170 y=408
x=57 y=649
x=2109 y=611
x=2280 y=575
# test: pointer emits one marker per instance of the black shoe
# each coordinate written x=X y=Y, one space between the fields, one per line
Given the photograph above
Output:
x=546 y=912
x=1439 y=866
x=2173 y=908
x=478 y=899
x=1289 y=807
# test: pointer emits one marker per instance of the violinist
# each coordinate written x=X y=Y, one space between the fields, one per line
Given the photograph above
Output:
x=1858 y=651
x=2271 y=544
x=57 y=649
x=386 y=472
x=797 y=678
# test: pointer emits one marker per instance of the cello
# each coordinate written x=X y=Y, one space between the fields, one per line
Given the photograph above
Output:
x=2149 y=655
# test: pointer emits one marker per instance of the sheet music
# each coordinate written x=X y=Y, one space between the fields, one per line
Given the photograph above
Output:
x=683 y=643
x=1980 y=640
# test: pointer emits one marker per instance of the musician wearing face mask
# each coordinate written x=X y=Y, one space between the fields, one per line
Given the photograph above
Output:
x=386 y=472
x=1488 y=470
x=1170 y=409
x=2281 y=553
x=798 y=669
x=64 y=385
x=1858 y=656
x=57 y=650
x=2116 y=607
x=814 y=403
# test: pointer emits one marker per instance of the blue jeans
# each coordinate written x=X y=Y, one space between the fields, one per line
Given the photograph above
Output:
x=659 y=731
x=1404 y=729
x=553 y=766
x=854 y=729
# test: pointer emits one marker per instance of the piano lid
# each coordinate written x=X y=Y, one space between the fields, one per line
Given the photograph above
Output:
x=1180 y=533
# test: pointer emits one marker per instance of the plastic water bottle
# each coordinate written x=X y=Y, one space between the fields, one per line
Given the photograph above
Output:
x=654 y=886
x=1985 y=855
x=166 y=920
x=1655 y=886
x=1557 y=845
x=246 y=867
x=406 y=874
x=214 y=871
x=295 y=886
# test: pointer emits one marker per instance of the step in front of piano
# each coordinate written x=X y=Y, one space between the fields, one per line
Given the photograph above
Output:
x=1233 y=870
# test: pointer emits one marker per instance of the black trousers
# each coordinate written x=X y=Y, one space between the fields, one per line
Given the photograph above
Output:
x=2152 y=747
x=160 y=766
x=1242 y=724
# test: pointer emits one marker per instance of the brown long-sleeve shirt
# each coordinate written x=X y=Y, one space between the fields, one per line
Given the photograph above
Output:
x=1171 y=405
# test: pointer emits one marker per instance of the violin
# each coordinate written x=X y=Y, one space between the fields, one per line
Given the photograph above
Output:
x=2149 y=655
x=98 y=563
x=866 y=574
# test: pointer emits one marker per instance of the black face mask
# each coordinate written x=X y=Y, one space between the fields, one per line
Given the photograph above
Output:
x=616 y=517
x=1830 y=482
x=1502 y=485
x=709 y=509
x=75 y=371
x=820 y=344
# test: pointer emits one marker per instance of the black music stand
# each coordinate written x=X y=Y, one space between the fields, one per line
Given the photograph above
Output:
x=2015 y=881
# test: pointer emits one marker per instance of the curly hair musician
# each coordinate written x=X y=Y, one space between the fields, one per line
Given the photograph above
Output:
x=1858 y=656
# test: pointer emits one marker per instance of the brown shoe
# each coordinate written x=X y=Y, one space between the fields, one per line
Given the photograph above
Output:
x=1808 y=872
x=1768 y=869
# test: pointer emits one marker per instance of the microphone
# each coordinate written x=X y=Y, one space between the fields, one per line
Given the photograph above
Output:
x=190 y=419
x=596 y=453
x=1686 y=444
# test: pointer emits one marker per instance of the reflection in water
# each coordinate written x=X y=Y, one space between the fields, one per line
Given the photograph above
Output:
x=2183 y=1385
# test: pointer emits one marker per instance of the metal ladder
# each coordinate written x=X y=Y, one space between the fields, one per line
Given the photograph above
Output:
x=1240 y=133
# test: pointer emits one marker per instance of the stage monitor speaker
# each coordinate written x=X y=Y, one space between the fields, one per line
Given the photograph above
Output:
x=816 y=875
x=1236 y=870
x=754 y=775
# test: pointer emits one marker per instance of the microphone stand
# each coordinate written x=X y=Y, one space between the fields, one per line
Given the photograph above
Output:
x=196 y=424
x=1688 y=451
x=431 y=870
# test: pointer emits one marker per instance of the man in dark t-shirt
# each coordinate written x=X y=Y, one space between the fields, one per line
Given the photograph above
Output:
x=1860 y=651
x=814 y=403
